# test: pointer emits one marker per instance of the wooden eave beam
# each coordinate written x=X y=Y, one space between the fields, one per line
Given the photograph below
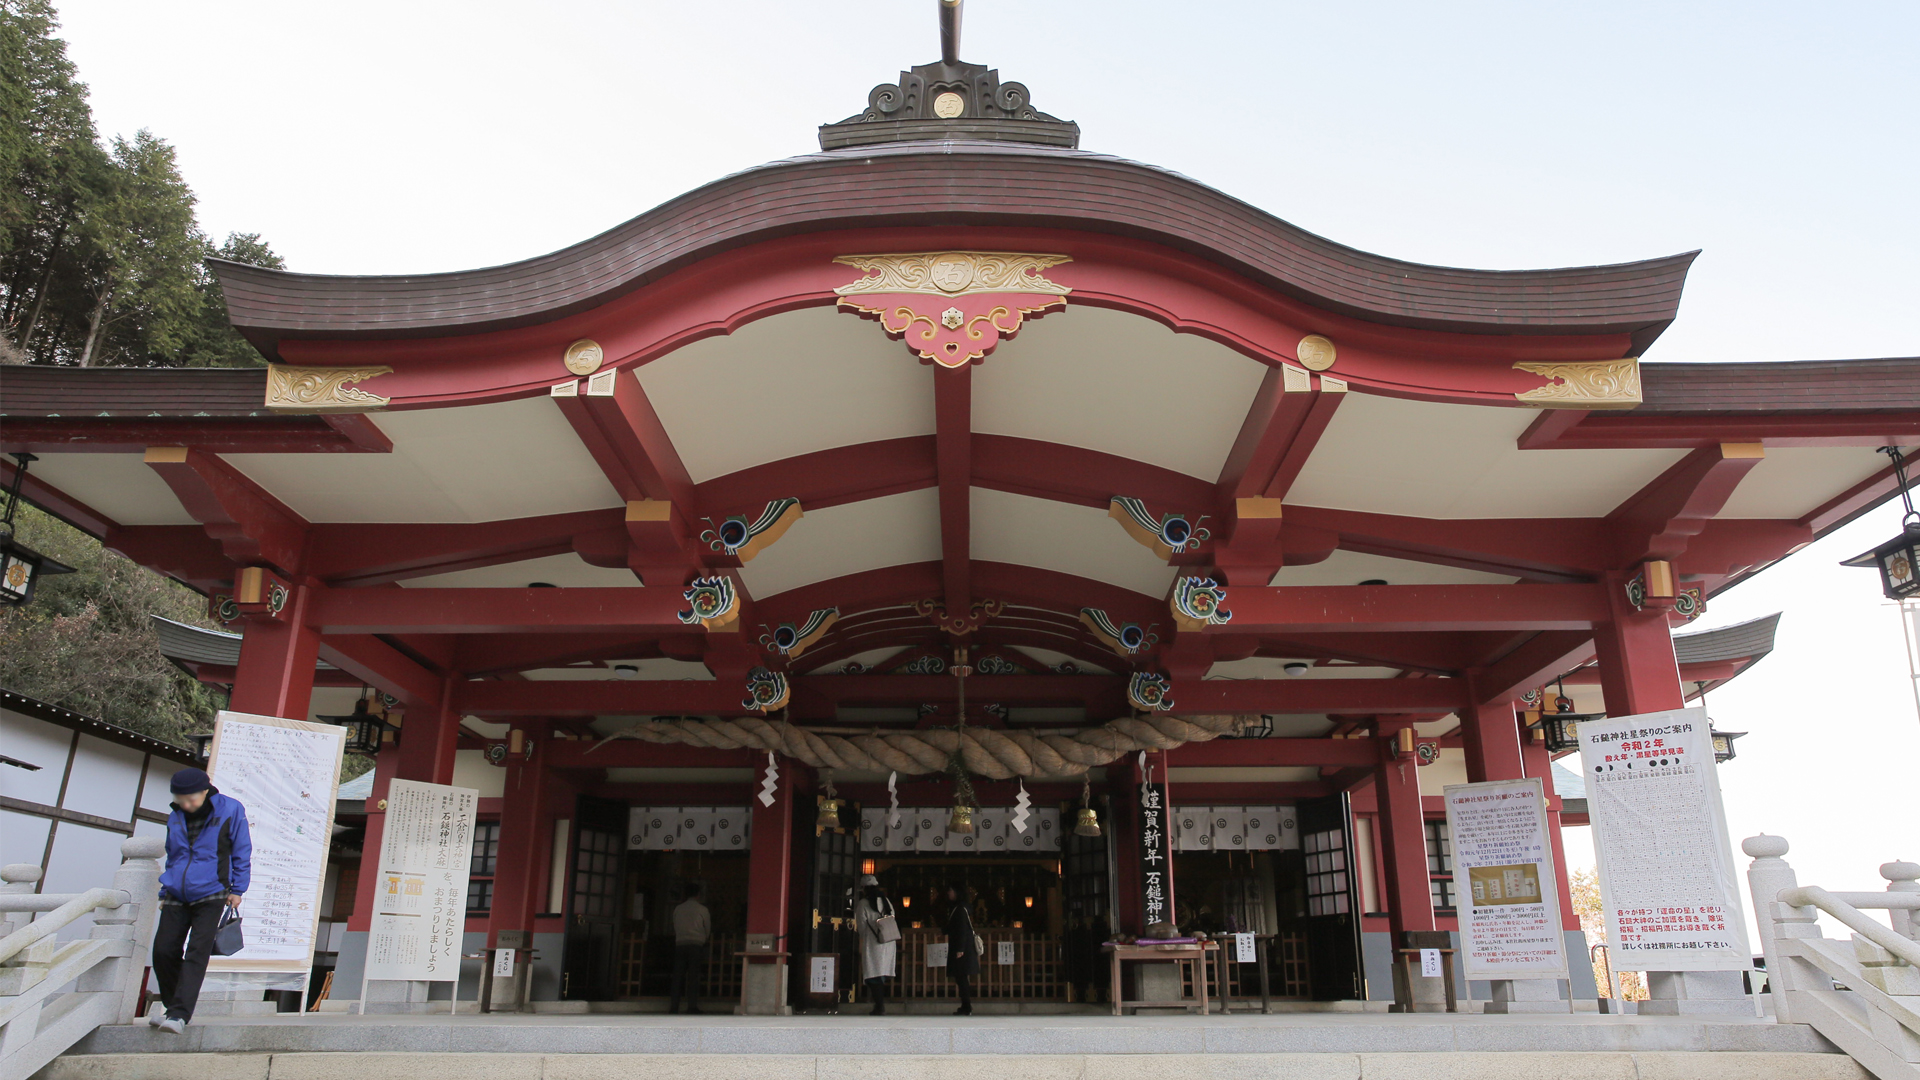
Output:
x=251 y=525
x=1631 y=430
x=496 y=611
x=214 y=435
x=358 y=555
x=1659 y=520
x=1331 y=608
x=380 y=665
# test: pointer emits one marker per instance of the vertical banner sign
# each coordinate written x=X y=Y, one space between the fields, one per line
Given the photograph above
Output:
x=420 y=897
x=285 y=772
x=1660 y=836
x=1156 y=876
x=1503 y=866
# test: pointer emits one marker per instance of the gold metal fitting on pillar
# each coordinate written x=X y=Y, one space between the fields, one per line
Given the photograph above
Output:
x=1403 y=742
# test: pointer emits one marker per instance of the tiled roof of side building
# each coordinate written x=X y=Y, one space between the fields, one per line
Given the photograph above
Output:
x=46 y=390
x=1879 y=385
x=1749 y=640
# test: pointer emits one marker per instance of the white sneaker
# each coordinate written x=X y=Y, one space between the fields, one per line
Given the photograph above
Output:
x=173 y=1025
x=154 y=1017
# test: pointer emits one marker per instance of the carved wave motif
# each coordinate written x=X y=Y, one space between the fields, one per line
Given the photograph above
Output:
x=321 y=389
x=952 y=273
x=1591 y=384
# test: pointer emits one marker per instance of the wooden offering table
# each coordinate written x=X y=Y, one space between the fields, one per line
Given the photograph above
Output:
x=1191 y=953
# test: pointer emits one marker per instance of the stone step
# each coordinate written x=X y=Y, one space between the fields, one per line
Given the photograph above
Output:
x=1457 y=1065
x=913 y=1036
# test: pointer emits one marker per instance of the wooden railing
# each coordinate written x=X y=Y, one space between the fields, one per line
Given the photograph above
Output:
x=1033 y=975
x=723 y=968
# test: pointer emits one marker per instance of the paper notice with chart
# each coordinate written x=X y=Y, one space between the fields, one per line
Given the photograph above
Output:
x=420 y=895
x=1504 y=879
x=285 y=772
x=1660 y=836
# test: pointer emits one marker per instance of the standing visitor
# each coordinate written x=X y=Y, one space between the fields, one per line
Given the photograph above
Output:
x=879 y=950
x=692 y=926
x=209 y=866
x=963 y=953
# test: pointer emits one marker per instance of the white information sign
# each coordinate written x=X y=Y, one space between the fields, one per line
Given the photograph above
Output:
x=1503 y=872
x=285 y=772
x=1430 y=963
x=820 y=975
x=1005 y=951
x=1243 y=949
x=503 y=963
x=936 y=954
x=1660 y=836
x=420 y=897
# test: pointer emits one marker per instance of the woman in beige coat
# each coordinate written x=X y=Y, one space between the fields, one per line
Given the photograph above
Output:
x=877 y=957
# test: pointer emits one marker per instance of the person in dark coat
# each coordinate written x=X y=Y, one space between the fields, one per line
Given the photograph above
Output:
x=963 y=958
x=209 y=866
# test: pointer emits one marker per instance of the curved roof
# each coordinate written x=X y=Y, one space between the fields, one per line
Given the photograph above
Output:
x=948 y=184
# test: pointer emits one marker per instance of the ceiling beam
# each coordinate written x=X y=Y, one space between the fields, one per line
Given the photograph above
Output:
x=251 y=525
x=1323 y=608
x=1659 y=520
x=1630 y=430
x=496 y=611
x=1538 y=549
x=387 y=669
x=953 y=457
x=355 y=555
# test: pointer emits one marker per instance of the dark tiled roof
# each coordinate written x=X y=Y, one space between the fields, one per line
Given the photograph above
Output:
x=44 y=390
x=947 y=184
x=194 y=645
x=1752 y=639
x=1891 y=384
x=73 y=721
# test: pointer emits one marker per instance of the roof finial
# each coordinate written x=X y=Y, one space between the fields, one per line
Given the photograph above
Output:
x=950 y=31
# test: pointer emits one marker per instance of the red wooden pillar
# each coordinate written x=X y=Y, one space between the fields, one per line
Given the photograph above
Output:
x=1638 y=673
x=770 y=858
x=1403 y=838
x=525 y=831
x=1492 y=741
x=362 y=918
x=428 y=738
x=277 y=657
x=1540 y=764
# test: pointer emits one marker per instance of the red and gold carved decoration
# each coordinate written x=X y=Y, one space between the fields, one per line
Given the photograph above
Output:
x=959 y=625
x=952 y=307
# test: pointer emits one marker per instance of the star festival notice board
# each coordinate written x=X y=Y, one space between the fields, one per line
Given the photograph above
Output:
x=420 y=897
x=1660 y=835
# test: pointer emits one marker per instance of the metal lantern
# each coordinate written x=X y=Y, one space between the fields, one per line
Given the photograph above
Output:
x=21 y=567
x=829 y=819
x=1898 y=560
x=364 y=728
x=1723 y=744
x=202 y=744
x=1561 y=730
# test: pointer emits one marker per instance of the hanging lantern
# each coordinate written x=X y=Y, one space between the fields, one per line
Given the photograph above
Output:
x=829 y=817
x=1087 y=823
x=1723 y=744
x=1898 y=560
x=21 y=567
x=365 y=728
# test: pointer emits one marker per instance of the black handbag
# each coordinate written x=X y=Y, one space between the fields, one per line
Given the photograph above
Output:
x=227 y=936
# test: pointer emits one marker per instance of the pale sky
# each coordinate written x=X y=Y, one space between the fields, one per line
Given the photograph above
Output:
x=1781 y=138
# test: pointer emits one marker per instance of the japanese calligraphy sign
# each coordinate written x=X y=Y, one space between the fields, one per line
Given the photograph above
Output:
x=1660 y=835
x=420 y=897
x=1156 y=870
x=1503 y=862
x=285 y=772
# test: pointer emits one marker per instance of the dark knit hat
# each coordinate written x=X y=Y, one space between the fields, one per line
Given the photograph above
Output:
x=188 y=781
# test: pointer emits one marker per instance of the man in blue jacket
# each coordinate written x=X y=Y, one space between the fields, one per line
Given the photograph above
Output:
x=209 y=865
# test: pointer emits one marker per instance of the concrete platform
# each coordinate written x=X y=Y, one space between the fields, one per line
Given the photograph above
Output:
x=846 y=1036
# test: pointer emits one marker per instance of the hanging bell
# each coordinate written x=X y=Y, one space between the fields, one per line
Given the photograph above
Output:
x=1088 y=823
x=962 y=820
x=829 y=819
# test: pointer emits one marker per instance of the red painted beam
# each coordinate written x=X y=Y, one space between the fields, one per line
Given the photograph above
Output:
x=1541 y=549
x=1074 y=474
x=215 y=435
x=496 y=611
x=635 y=753
x=1320 y=608
x=380 y=665
x=953 y=457
x=1273 y=753
x=355 y=555
x=1659 y=520
x=55 y=502
x=251 y=525
x=1617 y=431
x=1359 y=696
x=844 y=474
x=1857 y=499
x=183 y=552
x=1534 y=663
x=624 y=434
x=1289 y=413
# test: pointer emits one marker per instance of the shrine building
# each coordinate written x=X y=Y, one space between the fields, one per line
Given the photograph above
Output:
x=956 y=466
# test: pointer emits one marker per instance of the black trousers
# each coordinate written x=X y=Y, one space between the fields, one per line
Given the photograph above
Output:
x=963 y=982
x=689 y=974
x=877 y=990
x=184 y=929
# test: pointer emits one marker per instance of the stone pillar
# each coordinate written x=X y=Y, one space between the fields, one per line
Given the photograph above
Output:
x=139 y=878
x=1403 y=848
x=1696 y=993
x=277 y=657
x=1492 y=737
x=769 y=877
x=526 y=832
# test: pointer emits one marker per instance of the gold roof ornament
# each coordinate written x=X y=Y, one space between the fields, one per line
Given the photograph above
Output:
x=1584 y=384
